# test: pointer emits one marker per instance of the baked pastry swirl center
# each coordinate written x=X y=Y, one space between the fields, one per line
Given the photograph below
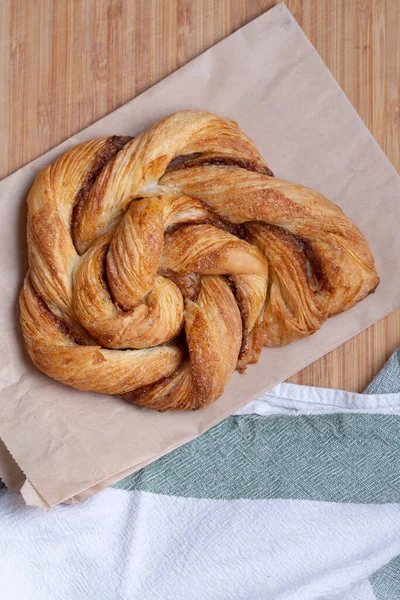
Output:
x=159 y=264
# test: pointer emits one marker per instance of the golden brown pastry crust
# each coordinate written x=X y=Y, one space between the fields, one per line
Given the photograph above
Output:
x=159 y=264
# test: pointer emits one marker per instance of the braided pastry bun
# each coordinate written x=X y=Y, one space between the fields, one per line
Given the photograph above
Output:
x=159 y=264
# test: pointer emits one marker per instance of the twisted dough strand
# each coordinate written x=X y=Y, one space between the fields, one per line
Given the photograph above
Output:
x=160 y=264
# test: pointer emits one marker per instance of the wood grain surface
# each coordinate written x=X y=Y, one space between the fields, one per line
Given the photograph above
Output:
x=66 y=63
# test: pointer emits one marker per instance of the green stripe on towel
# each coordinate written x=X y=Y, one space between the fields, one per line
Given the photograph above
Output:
x=386 y=582
x=332 y=458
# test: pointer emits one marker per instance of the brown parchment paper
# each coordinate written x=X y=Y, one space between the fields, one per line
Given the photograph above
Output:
x=268 y=77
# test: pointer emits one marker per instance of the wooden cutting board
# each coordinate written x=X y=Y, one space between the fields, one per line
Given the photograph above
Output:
x=66 y=63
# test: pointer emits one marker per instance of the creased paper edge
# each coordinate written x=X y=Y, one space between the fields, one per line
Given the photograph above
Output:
x=10 y=471
x=32 y=496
